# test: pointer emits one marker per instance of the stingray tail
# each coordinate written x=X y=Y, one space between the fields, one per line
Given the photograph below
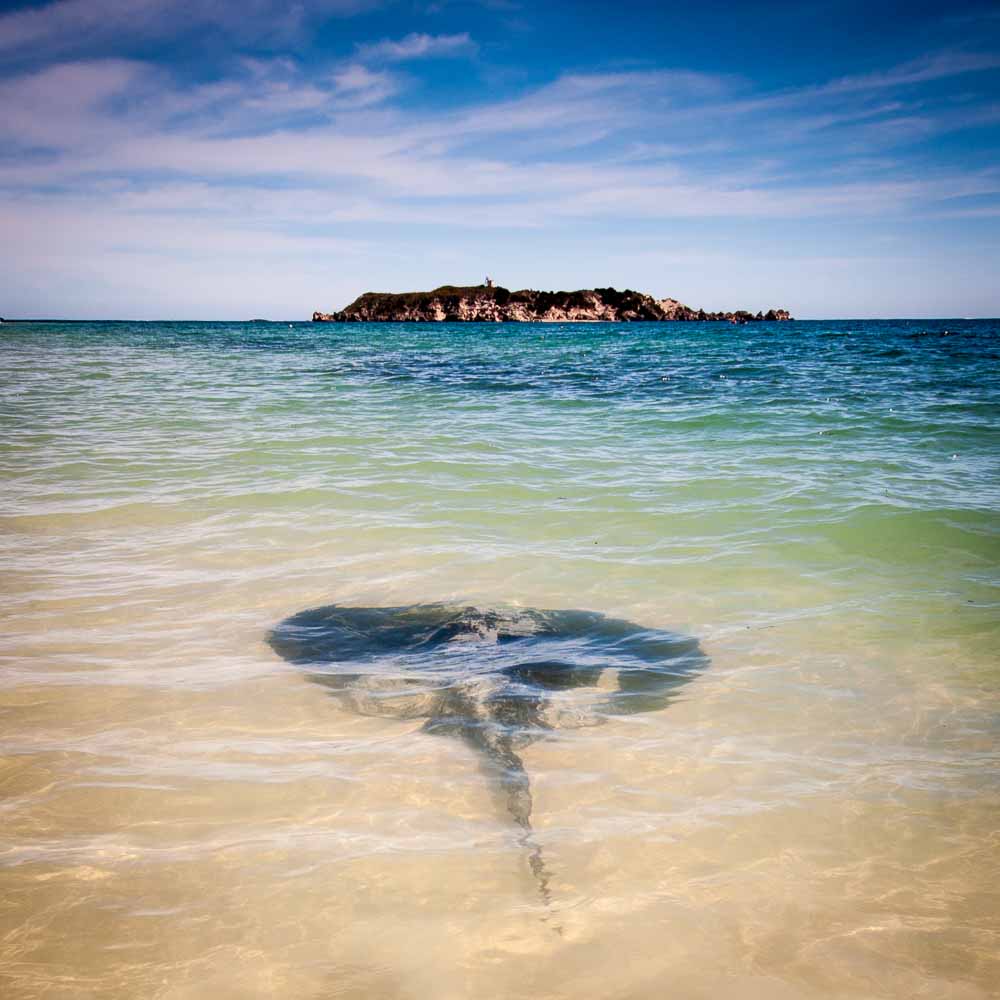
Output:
x=494 y=744
x=516 y=787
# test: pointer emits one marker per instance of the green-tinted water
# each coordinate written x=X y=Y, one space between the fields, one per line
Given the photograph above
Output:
x=814 y=815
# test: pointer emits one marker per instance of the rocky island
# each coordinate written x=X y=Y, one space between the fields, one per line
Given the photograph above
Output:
x=490 y=303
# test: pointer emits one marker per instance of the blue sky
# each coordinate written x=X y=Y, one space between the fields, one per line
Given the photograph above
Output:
x=206 y=159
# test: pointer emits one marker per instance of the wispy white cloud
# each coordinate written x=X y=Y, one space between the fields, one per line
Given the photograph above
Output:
x=418 y=46
x=934 y=66
x=70 y=24
x=65 y=27
x=357 y=86
x=251 y=127
x=64 y=105
x=111 y=115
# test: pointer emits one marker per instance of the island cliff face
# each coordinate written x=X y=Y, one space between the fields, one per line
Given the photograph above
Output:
x=492 y=304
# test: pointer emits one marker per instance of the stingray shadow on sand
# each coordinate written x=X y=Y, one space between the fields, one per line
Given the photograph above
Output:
x=497 y=678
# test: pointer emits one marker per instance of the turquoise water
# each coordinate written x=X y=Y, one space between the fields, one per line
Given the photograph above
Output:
x=813 y=815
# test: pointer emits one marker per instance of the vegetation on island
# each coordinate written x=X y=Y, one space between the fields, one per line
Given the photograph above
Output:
x=493 y=303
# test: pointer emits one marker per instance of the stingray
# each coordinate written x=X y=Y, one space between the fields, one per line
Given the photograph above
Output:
x=497 y=678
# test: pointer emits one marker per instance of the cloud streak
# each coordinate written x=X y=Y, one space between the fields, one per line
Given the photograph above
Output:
x=69 y=27
x=246 y=133
x=418 y=46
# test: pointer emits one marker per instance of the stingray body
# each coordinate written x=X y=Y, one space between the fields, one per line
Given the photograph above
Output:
x=499 y=679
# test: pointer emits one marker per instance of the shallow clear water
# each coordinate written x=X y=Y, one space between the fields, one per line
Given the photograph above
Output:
x=185 y=814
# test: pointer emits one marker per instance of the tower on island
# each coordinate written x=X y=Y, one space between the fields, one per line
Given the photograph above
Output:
x=489 y=281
